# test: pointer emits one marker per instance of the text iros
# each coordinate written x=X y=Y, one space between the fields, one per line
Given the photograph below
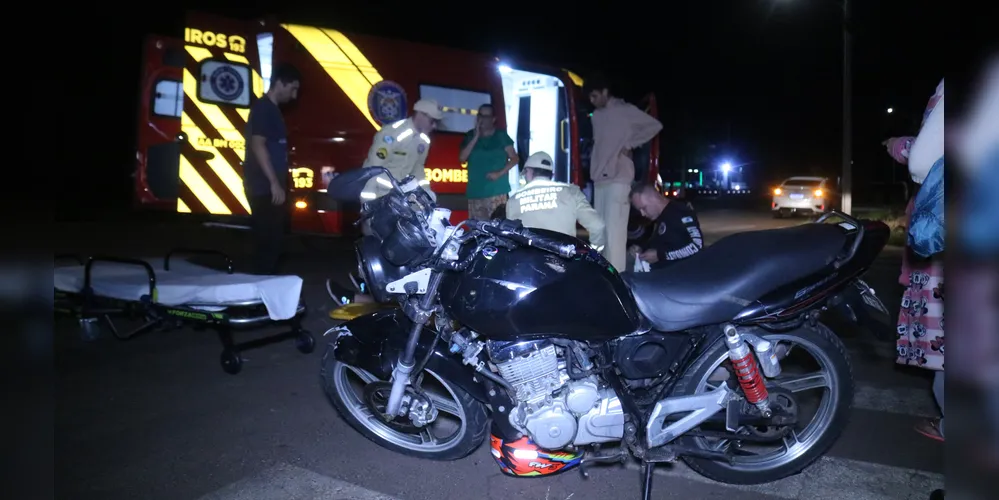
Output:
x=233 y=43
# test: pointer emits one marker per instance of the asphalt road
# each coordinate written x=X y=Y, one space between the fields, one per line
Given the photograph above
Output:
x=156 y=418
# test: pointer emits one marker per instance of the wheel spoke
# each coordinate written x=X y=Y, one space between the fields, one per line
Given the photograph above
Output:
x=367 y=408
x=444 y=404
x=427 y=437
x=791 y=440
x=366 y=412
x=365 y=376
x=814 y=380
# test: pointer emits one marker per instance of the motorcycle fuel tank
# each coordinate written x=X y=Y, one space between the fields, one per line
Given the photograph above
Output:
x=523 y=293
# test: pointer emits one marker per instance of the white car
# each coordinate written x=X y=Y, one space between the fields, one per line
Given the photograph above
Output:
x=808 y=195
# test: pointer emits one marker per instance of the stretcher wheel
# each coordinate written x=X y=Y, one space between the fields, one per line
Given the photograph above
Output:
x=231 y=362
x=305 y=342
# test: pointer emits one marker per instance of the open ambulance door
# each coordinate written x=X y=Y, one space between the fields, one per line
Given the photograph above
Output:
x=161 y=101
x=646 y=159
x=221 y=80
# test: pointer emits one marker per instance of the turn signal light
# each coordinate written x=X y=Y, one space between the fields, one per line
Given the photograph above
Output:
x=301 y=204
x=818 y=193
x=777 y=191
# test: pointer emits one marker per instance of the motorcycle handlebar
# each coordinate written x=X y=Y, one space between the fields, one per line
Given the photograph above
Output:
x=517 y=232
x=855 y=244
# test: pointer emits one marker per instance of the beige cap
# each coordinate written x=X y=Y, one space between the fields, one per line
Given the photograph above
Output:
x=430 y=107
x=540 y=161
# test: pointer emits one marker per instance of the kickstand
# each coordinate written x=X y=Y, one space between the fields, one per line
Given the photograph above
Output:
x=647 y=469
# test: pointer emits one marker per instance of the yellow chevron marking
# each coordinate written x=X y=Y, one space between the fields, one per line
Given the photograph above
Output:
x=343 y=62
x=215 y=116
x=201 y=189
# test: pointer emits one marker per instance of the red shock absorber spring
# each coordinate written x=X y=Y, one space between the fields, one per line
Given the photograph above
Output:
x=750 y=378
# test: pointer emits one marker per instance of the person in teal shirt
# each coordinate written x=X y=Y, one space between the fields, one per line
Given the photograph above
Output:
x=490 y=155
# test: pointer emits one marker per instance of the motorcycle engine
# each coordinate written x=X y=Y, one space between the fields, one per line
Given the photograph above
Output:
x=553 y=410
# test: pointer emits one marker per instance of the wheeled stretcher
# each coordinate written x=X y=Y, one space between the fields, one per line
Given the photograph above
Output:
x=171 y=293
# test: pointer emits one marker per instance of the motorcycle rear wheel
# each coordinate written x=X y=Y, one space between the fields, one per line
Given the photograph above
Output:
x=451 y=401
x=834 y=377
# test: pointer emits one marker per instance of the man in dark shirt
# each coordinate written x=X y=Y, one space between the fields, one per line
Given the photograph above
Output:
x=265 y=169
x=676 y=233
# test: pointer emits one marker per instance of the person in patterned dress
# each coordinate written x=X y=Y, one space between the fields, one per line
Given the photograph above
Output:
x=921 y=317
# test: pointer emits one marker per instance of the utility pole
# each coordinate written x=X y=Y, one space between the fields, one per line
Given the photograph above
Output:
x=846 y=184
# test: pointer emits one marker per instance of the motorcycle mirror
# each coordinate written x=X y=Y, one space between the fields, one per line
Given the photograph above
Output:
x=347 y=186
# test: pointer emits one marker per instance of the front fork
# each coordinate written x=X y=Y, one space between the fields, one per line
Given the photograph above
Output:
x=744 y=364
x=419 y=312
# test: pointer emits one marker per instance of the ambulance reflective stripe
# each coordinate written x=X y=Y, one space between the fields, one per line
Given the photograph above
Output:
x=212 y=156
x=343 y=62
x=460 y=111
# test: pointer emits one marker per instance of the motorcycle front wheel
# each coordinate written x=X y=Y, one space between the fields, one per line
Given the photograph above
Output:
x=359 y=397
x=816 y=384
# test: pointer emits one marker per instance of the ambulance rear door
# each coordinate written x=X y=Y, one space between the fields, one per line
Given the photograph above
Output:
x=161 y=100
x=222 y=77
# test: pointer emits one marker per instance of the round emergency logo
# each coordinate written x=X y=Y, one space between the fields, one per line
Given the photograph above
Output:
x=226 y=83
x=421 y=148
x=387 y=102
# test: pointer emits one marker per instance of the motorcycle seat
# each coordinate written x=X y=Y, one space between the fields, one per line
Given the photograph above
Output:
x=715 y=284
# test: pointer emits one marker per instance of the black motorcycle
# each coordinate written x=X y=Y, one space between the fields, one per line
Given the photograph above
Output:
x=533 y=337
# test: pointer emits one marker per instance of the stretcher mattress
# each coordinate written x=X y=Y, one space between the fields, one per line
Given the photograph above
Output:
x=186 y=284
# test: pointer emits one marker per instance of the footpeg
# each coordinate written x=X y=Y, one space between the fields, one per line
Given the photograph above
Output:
x=698 y=453
x=660 y=455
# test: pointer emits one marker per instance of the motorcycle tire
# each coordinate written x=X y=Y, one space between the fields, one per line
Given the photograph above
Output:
x=824 y=339
x=473 y=435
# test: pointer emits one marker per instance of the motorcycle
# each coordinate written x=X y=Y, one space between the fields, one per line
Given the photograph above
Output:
x=534 y=338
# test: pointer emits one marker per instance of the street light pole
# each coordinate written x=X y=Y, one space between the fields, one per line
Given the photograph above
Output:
x=846 y=183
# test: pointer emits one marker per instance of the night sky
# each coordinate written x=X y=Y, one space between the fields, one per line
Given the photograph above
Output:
x=760 y=78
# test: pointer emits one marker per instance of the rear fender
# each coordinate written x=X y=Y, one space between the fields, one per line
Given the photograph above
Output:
x=859 y=304
x=374 y=342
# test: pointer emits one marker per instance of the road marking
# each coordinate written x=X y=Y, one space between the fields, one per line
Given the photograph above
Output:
x=903 y=400
x=831 y=479
x=287 y=482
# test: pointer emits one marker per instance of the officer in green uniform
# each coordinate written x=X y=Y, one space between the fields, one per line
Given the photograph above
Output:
x=402 y=148
x=556 y=206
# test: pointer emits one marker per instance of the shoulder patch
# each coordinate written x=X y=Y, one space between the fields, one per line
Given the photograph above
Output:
x=388 y=139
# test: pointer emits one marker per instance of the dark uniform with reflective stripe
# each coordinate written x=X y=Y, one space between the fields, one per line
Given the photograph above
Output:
x=676 y=235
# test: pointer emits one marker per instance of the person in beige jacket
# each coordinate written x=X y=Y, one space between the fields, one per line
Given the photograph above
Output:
x=618 y=127
x=556 y=206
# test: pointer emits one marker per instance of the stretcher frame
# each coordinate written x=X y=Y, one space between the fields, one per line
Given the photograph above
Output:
x=94 y=311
